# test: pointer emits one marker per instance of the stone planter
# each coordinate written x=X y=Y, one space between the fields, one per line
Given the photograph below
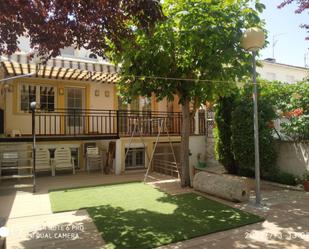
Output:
x=293 y=157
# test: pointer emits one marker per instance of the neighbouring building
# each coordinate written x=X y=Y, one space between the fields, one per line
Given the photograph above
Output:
x=271 y=70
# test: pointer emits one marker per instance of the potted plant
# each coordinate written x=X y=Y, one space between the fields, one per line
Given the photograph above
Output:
x=306 y=181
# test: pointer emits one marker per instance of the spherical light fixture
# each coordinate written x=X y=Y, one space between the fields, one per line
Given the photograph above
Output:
x=33 y=105
x=253 y=39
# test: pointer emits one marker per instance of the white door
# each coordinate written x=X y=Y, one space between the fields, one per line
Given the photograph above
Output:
x=75 y=105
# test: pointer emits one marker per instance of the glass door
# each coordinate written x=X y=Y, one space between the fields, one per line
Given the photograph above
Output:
x=75 y=104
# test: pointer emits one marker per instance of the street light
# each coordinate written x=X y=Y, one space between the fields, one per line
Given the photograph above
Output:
x=252 y=40
x=33 y=106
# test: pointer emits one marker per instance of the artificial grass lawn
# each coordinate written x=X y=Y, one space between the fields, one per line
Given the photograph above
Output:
x=136 y=215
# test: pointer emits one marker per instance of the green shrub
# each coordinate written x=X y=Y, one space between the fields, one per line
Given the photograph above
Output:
x=243 y=135
x=223 y=133
x=234 y=133
x=284 y=178
x=291 y=102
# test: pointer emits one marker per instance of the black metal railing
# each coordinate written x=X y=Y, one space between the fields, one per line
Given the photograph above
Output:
x=77 y=122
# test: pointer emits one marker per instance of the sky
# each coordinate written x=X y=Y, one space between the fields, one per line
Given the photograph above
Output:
x=285 y=25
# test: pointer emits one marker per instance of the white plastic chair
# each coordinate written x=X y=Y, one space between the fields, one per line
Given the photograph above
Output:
x=42 y=160
x=94 y=158
x=63 y=160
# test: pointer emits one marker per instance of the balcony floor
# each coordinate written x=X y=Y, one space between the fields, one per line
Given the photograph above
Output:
x=28 y=138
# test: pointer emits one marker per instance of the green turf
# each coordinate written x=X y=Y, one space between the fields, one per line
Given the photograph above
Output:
x=136 y=215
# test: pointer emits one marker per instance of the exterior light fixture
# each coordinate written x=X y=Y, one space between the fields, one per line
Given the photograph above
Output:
x=33 y=106
x=61 y=91
x=252 y=40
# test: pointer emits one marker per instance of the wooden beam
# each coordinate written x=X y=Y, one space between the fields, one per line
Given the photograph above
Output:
x=101 y=78
x=59 y=71
x=29 y=69
x=70 y=77
x=84 y=76
x=96 y=77
x=80 y=73
x=51 y=72
x=5 y=68
x=13 y=68
x=44 y=69
x=21 y=68
x=65 y=73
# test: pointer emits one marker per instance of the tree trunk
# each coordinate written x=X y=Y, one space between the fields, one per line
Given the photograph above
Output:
x=184 y=151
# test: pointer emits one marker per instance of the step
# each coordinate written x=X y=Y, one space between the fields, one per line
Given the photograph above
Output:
x=16 y=167
x=14 y=152
x=16 y=177
x=13 y=160
x=16 y=186
x=163 y=154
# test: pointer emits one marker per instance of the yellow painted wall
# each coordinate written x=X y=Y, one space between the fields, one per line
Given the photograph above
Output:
x=162 y=105
x=106 y=98
x=176 y=105
x=2 y=97
x=16 y=120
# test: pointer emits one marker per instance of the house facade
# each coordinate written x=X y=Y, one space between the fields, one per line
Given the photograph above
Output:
x=78 y=105
x=271 y=70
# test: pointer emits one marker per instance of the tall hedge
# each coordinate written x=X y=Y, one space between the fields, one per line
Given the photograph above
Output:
x=234 y=134
x=243 y=135
x=223 y=133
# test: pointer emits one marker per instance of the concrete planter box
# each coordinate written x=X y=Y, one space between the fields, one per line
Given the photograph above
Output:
x=293 y=157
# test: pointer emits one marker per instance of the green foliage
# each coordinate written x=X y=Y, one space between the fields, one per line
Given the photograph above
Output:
x=305 y=176
x=199 y=39
x=235 y=134
x=284 y=178
x=223 y=133
x=243 y=135
x=291 y=102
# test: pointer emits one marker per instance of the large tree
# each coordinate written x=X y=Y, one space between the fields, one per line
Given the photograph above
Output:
x=194 y=53
x=54 y=24
x=302 y=5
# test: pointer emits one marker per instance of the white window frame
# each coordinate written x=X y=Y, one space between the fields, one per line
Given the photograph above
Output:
x=142 y=102
x=37 y=96
x=134 y=150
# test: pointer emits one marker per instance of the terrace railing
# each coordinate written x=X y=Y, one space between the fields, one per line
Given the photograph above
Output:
x=86 y=122
x=76 y=122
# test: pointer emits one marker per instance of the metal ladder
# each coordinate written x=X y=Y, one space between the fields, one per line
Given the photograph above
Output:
x=16 y=164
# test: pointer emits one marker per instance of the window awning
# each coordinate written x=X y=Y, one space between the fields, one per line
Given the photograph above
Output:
x=61 y=68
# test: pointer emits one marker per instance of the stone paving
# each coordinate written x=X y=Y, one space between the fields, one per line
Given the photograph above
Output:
x=32 y=224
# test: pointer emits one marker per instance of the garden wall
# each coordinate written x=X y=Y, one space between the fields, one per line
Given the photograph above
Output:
x=293 y=157
x=197 y=145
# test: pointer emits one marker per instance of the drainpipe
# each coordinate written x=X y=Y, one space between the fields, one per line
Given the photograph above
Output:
x=196 y=121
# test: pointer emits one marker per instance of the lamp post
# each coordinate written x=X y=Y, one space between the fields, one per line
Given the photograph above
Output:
x=33 y=107
x=252 y=40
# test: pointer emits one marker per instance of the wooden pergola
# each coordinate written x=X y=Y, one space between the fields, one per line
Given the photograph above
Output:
x=60 y=68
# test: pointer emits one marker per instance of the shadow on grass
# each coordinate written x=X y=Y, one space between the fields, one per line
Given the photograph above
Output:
x=141 y=228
